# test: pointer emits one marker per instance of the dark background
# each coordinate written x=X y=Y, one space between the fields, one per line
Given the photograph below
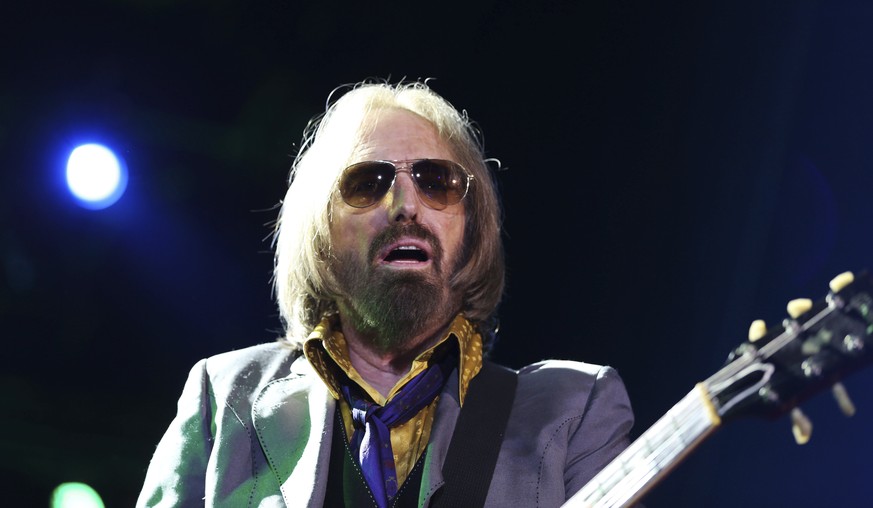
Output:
x=675 y=170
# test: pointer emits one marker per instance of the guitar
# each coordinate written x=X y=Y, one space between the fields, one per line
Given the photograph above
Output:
x=819 y=344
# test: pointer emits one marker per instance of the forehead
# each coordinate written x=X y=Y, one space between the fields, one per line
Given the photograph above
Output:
x=397 y=134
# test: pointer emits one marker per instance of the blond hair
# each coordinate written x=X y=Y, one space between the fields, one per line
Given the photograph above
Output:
x=302 y=279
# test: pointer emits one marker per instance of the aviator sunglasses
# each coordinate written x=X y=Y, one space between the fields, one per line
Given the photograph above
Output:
x=439 y=183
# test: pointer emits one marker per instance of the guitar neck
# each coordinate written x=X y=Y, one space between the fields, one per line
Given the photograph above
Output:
x=767 y=376
x=648 y=459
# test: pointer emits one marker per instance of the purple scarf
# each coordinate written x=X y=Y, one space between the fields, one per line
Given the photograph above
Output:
x=371 y=440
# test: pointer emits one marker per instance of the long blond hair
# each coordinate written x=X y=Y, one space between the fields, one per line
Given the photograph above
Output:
x=302 y=279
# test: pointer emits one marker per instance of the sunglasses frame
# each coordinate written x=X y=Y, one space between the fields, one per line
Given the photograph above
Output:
x=407 y=166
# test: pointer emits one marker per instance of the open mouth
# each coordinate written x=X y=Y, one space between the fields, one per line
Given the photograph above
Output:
x=406 y=254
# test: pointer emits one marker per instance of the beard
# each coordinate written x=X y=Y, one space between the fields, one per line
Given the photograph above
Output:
x=390 y=307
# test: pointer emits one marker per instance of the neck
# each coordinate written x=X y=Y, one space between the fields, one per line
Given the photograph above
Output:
x=383 y=368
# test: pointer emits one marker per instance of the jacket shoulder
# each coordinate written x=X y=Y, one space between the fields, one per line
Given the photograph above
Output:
x=567 y=374
x=249 y=368
x=568 y=388
x=260 y=354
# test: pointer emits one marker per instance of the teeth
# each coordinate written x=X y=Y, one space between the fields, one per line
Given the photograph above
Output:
x=408 y=247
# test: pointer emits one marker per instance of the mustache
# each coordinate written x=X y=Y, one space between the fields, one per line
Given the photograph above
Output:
x=395 y=232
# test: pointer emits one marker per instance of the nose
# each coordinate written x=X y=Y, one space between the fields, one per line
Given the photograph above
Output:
x=403 y=199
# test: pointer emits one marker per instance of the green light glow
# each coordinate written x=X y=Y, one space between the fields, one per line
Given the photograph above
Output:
x=76 y=495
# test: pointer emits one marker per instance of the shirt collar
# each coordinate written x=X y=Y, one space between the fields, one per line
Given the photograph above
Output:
x=327 y=351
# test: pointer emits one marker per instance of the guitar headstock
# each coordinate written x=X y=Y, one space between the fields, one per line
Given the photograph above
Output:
x=800 y=357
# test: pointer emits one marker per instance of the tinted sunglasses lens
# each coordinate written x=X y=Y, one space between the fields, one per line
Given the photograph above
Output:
x=441 y=183
x=365 y=183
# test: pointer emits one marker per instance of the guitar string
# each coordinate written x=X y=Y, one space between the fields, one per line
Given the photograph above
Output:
x=645 y=458
x=644 y=462
x=617 y=473
x=788 y=335
x=641 y=469
x=682 y=430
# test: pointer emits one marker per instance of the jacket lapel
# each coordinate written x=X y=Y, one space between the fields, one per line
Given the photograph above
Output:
x=448 y=409
x=293 y=418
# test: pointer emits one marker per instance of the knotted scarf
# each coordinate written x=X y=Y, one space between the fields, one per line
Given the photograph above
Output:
x=371 y=440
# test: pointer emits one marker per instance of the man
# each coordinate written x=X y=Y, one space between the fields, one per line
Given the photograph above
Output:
x=389 y=269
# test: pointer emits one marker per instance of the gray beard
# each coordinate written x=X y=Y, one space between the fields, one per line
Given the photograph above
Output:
x=390 y=307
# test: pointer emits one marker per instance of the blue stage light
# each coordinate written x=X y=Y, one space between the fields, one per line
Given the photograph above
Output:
x=96 y=176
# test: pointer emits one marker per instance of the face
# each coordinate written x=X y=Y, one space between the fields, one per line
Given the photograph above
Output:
x=393 y=260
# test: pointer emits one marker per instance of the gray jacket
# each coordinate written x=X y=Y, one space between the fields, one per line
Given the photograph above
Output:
x=254 y=427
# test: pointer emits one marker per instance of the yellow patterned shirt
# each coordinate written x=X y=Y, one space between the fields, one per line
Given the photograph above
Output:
x=327 y=351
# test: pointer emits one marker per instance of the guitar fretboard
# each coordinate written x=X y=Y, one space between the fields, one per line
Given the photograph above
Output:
x=661 y=447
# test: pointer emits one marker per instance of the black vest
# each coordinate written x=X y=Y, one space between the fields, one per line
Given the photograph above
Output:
x=469 y=463
x=346 y=487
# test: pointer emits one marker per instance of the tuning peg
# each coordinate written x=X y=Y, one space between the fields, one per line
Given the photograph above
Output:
x=801 y=427
x=840 y=281
x=757 y=329
x=797 y=307
x=843 y=400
